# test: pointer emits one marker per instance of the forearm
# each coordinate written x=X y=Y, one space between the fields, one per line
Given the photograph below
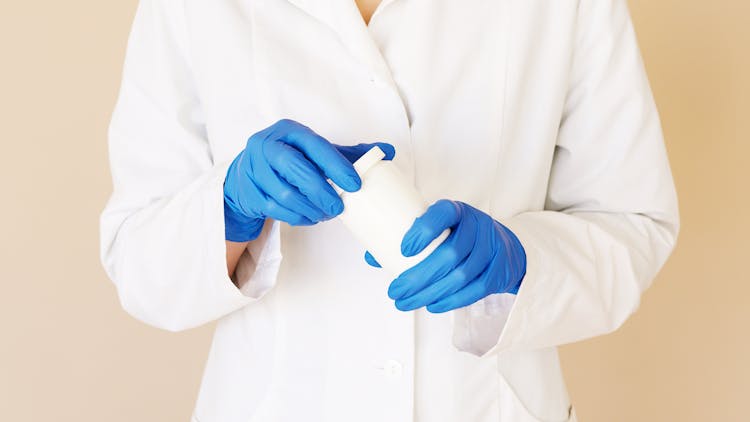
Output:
x=234 y=251
x=587 y=270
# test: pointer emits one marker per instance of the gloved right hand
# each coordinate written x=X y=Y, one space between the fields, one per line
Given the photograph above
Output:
x=281 y=174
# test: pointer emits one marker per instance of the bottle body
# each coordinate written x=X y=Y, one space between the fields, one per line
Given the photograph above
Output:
x=382 y=211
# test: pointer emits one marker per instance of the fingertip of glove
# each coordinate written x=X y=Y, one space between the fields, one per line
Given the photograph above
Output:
x=388 y=149
x=411 y=244
x=433 y=309
x=371 y=260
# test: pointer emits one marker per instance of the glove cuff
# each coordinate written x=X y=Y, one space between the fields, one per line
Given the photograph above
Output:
x=516 y=259
x=240 y=228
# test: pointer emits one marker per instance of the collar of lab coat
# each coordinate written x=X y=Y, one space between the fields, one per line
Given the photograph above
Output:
x=344 y=18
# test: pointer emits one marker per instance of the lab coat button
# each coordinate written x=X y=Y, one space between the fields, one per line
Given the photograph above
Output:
x=393 y=369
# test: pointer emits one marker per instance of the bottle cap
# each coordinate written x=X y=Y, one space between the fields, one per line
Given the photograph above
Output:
x=369 y=159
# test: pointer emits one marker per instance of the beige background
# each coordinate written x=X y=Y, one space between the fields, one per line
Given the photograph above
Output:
x=68 y=353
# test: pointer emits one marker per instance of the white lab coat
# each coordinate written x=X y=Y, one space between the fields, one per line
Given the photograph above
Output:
x=537 y=112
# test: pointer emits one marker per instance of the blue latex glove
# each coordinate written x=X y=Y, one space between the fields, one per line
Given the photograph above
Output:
x=480 y=257
x=281 y=174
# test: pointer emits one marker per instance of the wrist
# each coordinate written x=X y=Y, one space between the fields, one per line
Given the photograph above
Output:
x=516 y=259
x=239 y=227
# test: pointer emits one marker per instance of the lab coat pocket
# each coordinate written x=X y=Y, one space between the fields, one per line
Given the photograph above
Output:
x=532 y=387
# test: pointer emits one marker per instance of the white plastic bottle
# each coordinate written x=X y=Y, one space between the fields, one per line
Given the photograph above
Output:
x=383 y=210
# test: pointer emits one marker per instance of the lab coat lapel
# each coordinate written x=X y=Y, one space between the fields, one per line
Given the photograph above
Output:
x=355 y=35
x=343 y=17
x=320 y=10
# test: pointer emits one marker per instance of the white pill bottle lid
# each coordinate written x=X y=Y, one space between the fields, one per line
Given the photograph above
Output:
x=372 y=157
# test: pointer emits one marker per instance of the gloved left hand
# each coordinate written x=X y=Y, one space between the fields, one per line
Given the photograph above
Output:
x=480 y=257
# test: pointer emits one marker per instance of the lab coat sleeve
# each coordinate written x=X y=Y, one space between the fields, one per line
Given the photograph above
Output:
x=610 y=219
x=162 y=231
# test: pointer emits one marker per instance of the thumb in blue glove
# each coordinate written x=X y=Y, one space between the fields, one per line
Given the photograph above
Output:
x=480 y=257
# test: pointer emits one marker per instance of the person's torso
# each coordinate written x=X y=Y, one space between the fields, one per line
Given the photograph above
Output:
x=471 y=95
